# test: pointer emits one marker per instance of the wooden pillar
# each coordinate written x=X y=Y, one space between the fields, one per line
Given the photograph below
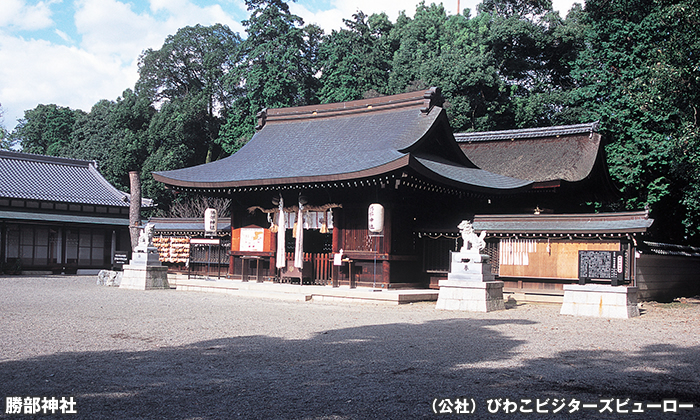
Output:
x=230 y=256
x=3 y=236
x=387 y=244
x=336 y=244
x=386 y=272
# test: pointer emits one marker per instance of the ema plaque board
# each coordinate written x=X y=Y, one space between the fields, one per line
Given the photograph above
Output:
x=601 y=265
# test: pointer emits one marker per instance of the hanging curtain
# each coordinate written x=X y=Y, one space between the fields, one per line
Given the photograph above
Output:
x=281 y=230
x=299 y=244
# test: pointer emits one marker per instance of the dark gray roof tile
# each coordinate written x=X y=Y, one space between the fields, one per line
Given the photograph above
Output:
x=47 y=178
x=341 y=142
x=599 y=223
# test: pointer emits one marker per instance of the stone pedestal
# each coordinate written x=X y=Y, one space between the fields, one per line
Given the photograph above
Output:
x=470 y=285
x=472 y=296
x=145 y=271
x=600 y=300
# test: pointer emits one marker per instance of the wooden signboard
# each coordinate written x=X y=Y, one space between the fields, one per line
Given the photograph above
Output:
x=251 y=239
x=601 y=265
x=546 y=259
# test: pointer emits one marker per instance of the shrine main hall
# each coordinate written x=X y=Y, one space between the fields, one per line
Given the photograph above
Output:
x=323 y=167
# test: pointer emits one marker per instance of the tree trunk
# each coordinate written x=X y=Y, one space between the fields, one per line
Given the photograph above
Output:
x=135 y=208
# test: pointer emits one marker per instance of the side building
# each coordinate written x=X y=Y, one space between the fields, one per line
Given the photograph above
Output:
x=58 y=215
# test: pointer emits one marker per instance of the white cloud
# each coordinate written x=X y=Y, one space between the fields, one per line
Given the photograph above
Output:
x=111 y=28
x=19 y=14
x=42 y=72
x=563 y=6
x=104 y=64
x=342 y=9
x=64 y=36
x=183 y=13
x=332 y=18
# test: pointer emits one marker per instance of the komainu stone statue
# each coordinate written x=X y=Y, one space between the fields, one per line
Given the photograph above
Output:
x=146 y=237
x=473 y=243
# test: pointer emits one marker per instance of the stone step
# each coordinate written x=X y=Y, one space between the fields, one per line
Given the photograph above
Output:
x=305 y=293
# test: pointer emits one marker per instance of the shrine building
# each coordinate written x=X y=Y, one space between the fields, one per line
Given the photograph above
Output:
x=59 y=215
x=325 y=168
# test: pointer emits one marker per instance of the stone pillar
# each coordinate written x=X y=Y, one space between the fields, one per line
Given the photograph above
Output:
x=470 y=285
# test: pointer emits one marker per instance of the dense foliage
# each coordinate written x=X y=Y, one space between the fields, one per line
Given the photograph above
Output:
x=631 y=64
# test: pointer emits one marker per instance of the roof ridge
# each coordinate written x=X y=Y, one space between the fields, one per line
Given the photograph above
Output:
x=11 y=154
x=524 y=133
x=425 y=99
x=643 y=214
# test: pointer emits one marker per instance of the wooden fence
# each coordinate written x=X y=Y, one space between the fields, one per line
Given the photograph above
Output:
x=322 y=266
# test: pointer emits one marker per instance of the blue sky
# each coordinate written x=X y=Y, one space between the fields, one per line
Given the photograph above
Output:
x=75 y=52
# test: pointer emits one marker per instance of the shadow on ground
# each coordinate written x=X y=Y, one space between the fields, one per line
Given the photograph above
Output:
x=378 y=372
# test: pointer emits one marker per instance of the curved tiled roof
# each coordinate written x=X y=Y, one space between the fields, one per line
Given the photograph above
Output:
x=306 y=149
x=472 y=176
x=566 y=153
x=48 y=178
x=344 y=141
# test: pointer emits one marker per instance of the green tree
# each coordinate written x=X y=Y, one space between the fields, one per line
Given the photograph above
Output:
x=278 y=70
x=280 y=56
x=356 y=60
x=450 y=52
x=640 y=77
x=172 y=142
x=45 y=129
x=533 y=48
x=421 y=39
x=190 y=68
x=114 y=134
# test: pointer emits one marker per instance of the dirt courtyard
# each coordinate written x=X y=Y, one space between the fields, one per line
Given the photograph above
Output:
x=167 y=354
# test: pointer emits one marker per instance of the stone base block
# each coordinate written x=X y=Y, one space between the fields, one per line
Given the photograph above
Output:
x=472 y=296
x=600 y=301
x=145 y=277
x=469 y=267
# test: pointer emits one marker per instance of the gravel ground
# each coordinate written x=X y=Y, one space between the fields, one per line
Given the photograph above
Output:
x=166 y=354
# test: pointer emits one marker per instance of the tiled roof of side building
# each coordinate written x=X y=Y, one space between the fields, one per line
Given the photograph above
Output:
x=48 y=178
x=186 y=225
x=566 y=153
x=621 y=222
x=528 y=133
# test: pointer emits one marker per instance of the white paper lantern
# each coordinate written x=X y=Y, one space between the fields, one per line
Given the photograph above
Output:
x=375 y=218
